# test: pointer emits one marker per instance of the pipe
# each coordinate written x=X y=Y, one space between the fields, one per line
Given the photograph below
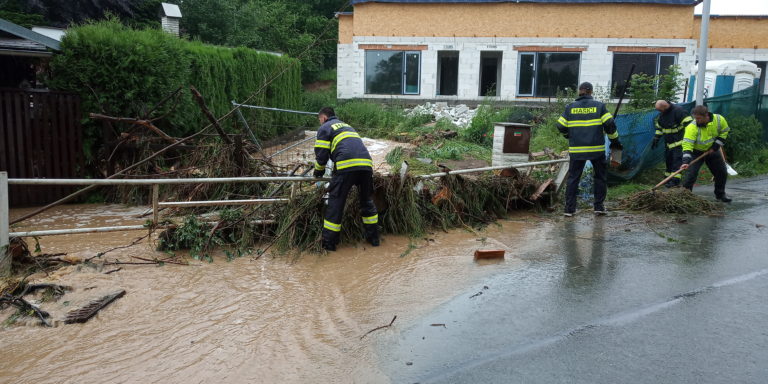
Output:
x=212 y=203
x=274 y=109
x=204 y=180
x=518 y=165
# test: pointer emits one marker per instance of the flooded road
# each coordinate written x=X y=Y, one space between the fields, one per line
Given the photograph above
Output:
x=617 y=299
x=281 y=319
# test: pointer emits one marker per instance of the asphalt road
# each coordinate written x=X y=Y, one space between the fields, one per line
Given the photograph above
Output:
x=617 y=299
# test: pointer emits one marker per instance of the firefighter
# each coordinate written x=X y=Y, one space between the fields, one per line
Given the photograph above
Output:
x=670 y=124
x=585 y=123
x=353 y=166
x=706 y=135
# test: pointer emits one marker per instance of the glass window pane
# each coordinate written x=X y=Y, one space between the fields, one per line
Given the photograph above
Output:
x=525 y=83
x=384 y=72
x=555 y=72
x=412 y=72
x=665 y=61
x=622 y=63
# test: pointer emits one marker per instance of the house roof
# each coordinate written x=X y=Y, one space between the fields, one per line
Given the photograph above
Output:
x=27 y=36
x=667 y=2
x=171 y=10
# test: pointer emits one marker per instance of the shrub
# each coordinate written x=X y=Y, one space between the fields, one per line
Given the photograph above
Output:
x=125 y=72
x=745 y=139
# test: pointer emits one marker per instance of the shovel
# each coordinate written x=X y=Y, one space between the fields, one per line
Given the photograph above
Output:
x=731 y=171
x=668 y=178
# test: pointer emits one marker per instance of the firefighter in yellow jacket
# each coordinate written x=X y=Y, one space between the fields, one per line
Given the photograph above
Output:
x=353 y=166
x=706 y=135
x=585 y=123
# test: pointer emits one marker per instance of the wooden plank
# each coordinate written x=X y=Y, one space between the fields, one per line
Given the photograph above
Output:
x=59 y=144
x=32 y=138
x=3 y=137
x=539 y=191
x=561 y=175
x=19 y=150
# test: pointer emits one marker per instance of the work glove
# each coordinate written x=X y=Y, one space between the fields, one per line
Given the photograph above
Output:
x=687 y=159
x=655 y=142
x=715 y=147
x=319 y=173
x=615 y=144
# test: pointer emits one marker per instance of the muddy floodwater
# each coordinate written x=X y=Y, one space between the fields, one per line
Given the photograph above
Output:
x=278 y=319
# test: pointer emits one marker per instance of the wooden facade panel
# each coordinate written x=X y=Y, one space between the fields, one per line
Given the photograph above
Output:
x=735 y=32
x=601 y=20
x=40 y=137
x=346 y=29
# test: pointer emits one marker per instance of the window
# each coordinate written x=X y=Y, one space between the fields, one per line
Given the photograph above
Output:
x=490 y=73
x=543 y=74
x=648 y=63
x=447 y=73
x=392 y=72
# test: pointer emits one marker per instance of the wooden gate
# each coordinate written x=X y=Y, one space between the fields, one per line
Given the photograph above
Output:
x=40 y=137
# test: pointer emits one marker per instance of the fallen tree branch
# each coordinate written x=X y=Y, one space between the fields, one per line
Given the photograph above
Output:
x=377 y=328
x=208 y=114
x=134 y=242
x=156 y=261
x=144 y=123
x=24 y=305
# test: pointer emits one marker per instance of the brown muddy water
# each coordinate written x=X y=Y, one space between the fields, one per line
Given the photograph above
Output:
x=278 y=319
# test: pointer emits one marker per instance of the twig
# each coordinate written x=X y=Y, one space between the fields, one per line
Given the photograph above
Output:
x=113 y=271
x=134 y=242
x=377 y=328
x=160 y=261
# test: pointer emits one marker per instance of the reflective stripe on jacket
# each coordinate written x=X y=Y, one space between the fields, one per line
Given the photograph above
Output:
x=671 y=123
x=585 y=121
x=339 y=142
x=701 y=138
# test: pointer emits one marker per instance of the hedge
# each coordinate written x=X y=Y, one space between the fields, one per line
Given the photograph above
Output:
x=125 y=72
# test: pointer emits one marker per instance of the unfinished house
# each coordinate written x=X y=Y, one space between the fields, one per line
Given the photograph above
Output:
x=469 y=50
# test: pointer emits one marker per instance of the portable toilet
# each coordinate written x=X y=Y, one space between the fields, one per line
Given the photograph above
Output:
x=723 y=77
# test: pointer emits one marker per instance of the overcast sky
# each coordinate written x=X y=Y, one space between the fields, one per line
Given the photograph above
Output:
x=736 y=7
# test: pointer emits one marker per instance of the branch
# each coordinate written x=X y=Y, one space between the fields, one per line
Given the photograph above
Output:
x=144 y=123
x=208 y=114
x=377 y=328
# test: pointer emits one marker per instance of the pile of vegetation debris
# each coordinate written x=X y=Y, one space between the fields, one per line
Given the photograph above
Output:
x=675 y=200
x=407 y=206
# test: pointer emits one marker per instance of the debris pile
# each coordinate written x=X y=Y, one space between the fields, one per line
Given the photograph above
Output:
x=676 y=200
x=460 y=115
x=408 y=206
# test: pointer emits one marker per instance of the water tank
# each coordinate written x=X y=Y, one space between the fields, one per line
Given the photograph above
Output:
x=724 y=77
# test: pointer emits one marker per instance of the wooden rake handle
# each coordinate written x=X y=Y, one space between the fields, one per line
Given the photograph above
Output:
x=703 y=155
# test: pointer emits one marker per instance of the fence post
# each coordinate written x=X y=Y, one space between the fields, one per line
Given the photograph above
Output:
x=155 y=203
x=5 y=260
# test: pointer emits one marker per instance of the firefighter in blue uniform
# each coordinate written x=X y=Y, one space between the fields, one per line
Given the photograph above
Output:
x=353 y=166
x=670 y=124
x=585 y=123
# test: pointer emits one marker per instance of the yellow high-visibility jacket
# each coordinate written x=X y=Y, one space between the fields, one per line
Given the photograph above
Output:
x=701 y=138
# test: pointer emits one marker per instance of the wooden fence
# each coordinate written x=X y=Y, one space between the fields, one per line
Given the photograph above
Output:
x=40 y=137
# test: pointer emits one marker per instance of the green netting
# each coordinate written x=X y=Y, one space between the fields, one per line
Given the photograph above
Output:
x=636 y=129
x=762 y=115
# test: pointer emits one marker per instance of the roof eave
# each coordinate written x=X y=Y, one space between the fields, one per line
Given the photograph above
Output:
x=29 y=34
